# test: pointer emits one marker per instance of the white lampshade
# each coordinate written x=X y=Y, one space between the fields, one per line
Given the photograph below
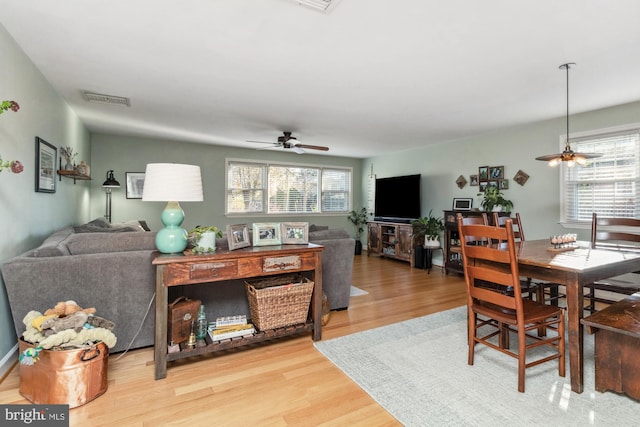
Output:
x=172 y=182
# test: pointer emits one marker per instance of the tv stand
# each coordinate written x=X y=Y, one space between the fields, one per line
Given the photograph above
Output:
x=390 y=240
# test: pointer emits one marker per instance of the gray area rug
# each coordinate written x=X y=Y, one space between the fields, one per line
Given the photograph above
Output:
x=354 y=292
x=417 y=370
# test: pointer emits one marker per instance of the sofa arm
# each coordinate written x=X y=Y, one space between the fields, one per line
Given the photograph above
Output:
x=337 y=270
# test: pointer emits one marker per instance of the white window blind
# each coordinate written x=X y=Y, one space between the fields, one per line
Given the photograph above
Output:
x=607 y=185
x=336 y=190
x=286 y=189
x=245 y=187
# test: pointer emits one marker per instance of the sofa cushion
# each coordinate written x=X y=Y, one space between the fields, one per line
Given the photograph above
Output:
x=54 y=244
x=94 y=243
x=334 y=233
x=314 y=227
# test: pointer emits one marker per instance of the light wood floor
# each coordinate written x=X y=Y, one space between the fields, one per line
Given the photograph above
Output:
x=283 y=383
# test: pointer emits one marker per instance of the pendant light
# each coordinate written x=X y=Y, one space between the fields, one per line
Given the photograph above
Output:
x=568 y=155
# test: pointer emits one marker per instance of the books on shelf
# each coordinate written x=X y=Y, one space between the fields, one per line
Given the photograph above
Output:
x=226 y=332
x=240 y=319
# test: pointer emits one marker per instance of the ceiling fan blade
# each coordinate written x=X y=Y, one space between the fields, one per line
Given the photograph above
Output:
x=262 y=142
x=312 y=147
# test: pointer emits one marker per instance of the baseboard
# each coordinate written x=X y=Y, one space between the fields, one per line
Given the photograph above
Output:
x=8 y=361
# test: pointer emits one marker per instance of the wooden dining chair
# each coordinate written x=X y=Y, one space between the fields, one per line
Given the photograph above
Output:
x=527 y=286
x=623 y=237
x=490 y=311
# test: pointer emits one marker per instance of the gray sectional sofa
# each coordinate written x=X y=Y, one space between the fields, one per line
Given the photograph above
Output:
x=96 y=265
x=109 y=268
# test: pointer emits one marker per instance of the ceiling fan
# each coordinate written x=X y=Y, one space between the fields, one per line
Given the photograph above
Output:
x=289 y=142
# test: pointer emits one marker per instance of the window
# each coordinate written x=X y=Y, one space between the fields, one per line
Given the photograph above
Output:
x=258 y=187
x=607 y=185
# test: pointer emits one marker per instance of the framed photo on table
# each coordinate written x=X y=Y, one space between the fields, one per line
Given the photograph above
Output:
x=238 y=236
x=462 y=204
x=294 y=233
x=46 y=155
x=135 y=184
x=266 y=233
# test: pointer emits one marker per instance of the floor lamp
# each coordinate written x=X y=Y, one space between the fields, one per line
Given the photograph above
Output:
x=172 y=183
x=108 y=185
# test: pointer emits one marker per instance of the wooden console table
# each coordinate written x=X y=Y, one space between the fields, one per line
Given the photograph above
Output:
x=178 y=269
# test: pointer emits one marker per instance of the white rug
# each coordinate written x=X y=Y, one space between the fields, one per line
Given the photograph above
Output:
x=357 y=291
x=417 y=370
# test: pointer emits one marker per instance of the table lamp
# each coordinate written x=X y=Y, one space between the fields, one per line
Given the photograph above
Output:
x=172 y=183
x=108 y=184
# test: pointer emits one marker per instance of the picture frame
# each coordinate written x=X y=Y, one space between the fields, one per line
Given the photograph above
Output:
x=503 y=184
x=483 y=173
x=521 y=177
x=462 y=204
x=238 y=236
x=496 y=172
x=266 y=233
x=483 y=186
x=135 y=184
x=493 y=183
x=46 y=155
x=294 y=233
x=461 y=181
x=474 y=181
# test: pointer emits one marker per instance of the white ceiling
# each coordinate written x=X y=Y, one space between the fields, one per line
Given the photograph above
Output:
x=368 y=78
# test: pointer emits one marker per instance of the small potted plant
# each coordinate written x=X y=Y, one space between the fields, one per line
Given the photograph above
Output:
x=203 y=238
x=359 y=219
x=493 y=200
x=430 y=227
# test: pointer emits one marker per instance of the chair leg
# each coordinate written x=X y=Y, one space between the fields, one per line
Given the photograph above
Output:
x=472 y=321
x=561 y=347
x=522 y=358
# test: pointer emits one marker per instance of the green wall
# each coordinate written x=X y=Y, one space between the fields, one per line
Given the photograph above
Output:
x=538 y=201
x=131 y=154
x=28 y=217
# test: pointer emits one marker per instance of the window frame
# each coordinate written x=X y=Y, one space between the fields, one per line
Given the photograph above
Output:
x=265 y=164
x=563 y=176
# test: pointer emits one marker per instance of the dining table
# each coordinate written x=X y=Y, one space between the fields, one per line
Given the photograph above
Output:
x=573 y=267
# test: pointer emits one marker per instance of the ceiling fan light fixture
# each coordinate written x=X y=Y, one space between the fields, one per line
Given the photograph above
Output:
x=568 y=155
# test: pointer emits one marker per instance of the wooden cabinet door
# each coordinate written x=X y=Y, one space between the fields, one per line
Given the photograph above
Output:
x=373 y=238
x=403 y=244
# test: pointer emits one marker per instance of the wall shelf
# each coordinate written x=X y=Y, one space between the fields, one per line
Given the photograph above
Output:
x=72 y=175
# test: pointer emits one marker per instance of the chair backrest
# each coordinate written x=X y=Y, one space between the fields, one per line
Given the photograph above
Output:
x=481 y=219
x=623 y=237
x=496 y=263
x=518 y=231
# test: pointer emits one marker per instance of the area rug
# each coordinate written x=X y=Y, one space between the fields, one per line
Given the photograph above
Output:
x=354 y=292
x=417 y=370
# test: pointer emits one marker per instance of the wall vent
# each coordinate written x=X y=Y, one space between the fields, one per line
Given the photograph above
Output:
x=106 y=99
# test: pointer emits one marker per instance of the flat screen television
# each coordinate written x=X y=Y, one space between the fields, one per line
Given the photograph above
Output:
x=398 y=198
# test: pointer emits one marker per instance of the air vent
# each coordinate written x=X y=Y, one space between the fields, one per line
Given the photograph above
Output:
x=106 y=99
x=321 y=5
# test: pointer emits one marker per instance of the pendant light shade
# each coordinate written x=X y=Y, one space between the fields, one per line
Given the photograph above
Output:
x=568 y=156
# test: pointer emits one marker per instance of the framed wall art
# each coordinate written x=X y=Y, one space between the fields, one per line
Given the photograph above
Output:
x=496 y=172
x=473 y=180
x=135 y=184
x=295 y=233
x=503 y=184
x=238 y=236
x=266 y=233
x=46 y=155
x=483 y=173
x=461 y=181
x=521 y=177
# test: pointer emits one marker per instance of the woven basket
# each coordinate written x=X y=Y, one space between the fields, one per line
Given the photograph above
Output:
x=279 y=301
